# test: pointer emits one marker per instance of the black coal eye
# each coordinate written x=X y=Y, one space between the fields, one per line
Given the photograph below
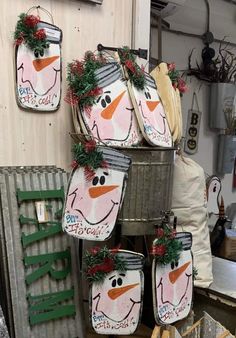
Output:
x=108 y=99
x=36 y=53
x=176 y=264
x=148 y=95
x=41 y=53
x=113 y=284
x=103 y=103
x=172 y=265
x=95 y=180
x=102 y=180
x=119 y=281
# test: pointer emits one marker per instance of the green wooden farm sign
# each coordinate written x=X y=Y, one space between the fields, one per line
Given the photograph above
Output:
x=56 y=265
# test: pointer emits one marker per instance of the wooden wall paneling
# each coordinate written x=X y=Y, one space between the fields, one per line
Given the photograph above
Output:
x=35 y=138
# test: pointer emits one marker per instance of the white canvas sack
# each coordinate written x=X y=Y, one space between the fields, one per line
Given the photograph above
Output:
x=189 y=204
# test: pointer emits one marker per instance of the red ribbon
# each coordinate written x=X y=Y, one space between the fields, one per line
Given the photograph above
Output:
x=108 y=265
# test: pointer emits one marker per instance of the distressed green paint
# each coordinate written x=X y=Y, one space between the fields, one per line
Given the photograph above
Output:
x=39 y=195
x=45 y=262
x=43 y=308
x=27 y=220
x=44 y=230
x=47 y=307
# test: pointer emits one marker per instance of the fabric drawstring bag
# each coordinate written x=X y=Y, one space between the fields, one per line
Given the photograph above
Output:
x=189 y=204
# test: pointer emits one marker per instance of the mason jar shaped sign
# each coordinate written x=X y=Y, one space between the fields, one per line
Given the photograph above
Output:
x=173 y=285
x=116 y=302
x=150 y=113
x=112 y=120
x=38 y=69
x=92 y=205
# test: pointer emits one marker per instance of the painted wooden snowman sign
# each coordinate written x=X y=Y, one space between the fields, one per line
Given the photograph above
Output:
x=173 y=285
x=116 y=303
x=92 y=205
x=38 y=74
x=150 y=113
x=111 y=120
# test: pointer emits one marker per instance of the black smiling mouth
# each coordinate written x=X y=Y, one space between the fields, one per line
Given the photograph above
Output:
x=185 y=291
x=98 y=297
x=103 y=219
x=146 y=118
x=29 y=82
x=113 y=139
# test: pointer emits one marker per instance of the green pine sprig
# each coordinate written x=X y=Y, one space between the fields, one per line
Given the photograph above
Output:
x=166 y=248
x=101 y=261
x=174 y=75
x=176 y=80
x=82 y=82
x=92 y=159
x=136 y=74
x=26 y=34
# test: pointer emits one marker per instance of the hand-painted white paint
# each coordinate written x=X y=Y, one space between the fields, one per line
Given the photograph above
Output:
x=29 y=138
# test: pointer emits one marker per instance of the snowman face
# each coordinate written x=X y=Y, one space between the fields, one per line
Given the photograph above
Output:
x=112 y=119
x=91 y=207
x=39 y=77
x=174 y=289
x=153 y=116
x=116 y=303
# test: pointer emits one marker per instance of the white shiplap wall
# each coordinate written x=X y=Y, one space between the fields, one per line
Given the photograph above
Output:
x=30 y=138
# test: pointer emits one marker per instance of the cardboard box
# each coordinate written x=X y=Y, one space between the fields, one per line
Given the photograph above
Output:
x=228 y=247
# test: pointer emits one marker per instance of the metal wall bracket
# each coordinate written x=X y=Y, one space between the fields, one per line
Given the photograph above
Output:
x=142 y=53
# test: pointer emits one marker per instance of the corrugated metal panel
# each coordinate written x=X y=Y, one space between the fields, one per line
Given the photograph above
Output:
x=31 y=169
x=149 y=189
x=30 y=179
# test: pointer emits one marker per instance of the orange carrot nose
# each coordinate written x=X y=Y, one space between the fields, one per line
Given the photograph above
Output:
x=174 y=275
x=108 y=112
x=117 y=292
x=40 y=64
x=152 y=104
x=95 y=192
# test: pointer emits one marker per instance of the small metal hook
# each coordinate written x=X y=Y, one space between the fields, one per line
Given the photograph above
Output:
x=142 y=53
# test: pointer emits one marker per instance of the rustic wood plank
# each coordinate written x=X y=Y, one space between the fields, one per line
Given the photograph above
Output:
x=35 y=138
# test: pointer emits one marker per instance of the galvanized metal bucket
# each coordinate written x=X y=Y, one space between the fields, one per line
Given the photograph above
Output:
x=221 y=103
x=226 y=154
x=148 y=191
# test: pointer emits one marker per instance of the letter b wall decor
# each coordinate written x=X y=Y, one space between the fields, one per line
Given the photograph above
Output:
x=192 y=129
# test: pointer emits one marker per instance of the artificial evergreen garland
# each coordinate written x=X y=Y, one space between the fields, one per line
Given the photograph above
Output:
x=100 y=261
x=83 y=88
x=26 y=32
x=176 y=79
x=136 y=74
x=89 y=157
x=166 y=248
